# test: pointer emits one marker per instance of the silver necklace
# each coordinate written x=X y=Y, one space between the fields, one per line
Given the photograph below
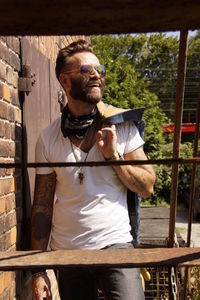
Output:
x=81 y=175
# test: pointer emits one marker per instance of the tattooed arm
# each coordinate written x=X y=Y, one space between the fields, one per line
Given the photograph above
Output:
x=41 y=221
x=42 y=210
x=139 y=179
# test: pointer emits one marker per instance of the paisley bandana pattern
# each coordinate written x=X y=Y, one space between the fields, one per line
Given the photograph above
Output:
x=76 y=126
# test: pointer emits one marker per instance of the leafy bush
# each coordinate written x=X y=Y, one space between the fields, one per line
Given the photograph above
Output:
x=163 y=174
x=136 y=64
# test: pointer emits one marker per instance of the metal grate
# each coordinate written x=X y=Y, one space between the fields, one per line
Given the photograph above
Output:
x=158 y=287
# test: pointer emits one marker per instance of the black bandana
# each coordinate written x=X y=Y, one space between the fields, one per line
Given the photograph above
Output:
x=78 y=127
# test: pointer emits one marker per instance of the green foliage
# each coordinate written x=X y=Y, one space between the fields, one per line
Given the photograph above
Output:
x=142 y=72
x=164 y=173
x=195 y=284
x=125 y=87
x=192 y=77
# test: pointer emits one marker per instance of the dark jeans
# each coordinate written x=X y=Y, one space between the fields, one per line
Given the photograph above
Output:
x=115 y=283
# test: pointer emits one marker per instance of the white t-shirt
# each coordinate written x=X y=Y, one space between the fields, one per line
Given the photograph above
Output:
x=94 y=214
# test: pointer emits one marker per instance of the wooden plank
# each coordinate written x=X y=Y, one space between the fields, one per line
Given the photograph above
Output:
x=100 y=258
x=154 y=228
x=95 y=17
x=157 y=212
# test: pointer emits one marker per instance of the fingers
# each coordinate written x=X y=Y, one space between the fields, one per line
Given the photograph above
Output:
x=109 y=129
x=48 y=293
x=41 y=285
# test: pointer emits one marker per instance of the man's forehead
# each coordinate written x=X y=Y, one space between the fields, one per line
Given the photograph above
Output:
x=84 y=58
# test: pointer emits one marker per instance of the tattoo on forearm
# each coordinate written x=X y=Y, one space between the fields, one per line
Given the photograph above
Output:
x=44 y=189
x=42 y=209
x=41 y=225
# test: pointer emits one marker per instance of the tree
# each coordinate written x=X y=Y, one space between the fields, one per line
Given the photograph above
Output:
x=124 y=85
x=192 y=78
x=142 y=72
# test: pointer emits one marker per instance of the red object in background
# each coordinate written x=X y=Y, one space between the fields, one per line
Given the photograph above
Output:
x=185 y=128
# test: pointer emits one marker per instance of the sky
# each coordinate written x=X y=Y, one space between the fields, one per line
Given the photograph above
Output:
x=177 y=33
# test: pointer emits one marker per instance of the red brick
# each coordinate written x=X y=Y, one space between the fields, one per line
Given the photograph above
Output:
x=5 y=295
x=7 y=240
x=8 y=278
x=2 y=128
x=3 y=110
x=4 y=53
x=2 y=223
x=13 y=236
x=5 y=130
x=13 y=43
x=18 y=116
x=1 y=282
x=12 y=292
x=2 y=205
x=12 y=149
x=2 y=70
x=6 y=186
x=11 y=77
x=15 y=97
x=10 y=202
x=11 y=113
x=14 y=61
x=5 y=172
x=10 y=220
x=6 y=92
x=4 y=148
x=1 y=93
x=3 y=38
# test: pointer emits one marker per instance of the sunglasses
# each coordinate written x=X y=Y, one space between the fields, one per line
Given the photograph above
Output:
x=89 y=69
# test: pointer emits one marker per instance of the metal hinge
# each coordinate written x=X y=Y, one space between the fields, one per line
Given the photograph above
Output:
x=26 y=82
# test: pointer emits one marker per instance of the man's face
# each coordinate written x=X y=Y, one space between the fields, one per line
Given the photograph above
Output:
x=85 y=87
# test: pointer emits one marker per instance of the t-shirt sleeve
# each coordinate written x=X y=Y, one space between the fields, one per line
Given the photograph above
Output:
x=41 y=156
x=128 y=137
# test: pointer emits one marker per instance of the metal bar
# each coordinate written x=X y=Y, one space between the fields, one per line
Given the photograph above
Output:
x=192 y=186
x=169 y=161
x=130 y=258
x=183 y=46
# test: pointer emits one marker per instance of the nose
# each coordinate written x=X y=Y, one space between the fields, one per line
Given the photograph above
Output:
x=95 y=73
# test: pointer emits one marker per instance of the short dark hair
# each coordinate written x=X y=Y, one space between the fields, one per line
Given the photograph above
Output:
x=65 y=53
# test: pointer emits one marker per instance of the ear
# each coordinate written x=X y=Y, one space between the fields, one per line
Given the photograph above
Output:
x=63 y=79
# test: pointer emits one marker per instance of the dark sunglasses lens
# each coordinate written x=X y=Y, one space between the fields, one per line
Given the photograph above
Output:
x=101 y=70
x=85 y=69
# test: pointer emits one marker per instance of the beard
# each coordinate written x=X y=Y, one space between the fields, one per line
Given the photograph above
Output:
x=80 y=91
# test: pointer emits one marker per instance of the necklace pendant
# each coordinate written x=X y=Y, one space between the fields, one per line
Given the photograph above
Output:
x=81 y=177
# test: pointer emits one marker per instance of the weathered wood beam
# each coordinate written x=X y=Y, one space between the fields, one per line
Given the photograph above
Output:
x=100 y=258
x=46 y=17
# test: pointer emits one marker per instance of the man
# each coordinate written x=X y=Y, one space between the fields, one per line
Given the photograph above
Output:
x=90 y=211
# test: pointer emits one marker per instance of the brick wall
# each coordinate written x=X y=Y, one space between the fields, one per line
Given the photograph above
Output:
x=16 y=285
x=10 y=151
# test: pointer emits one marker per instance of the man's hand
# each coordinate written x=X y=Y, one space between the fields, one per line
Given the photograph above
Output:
x=107 y=141
x=41 y=287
